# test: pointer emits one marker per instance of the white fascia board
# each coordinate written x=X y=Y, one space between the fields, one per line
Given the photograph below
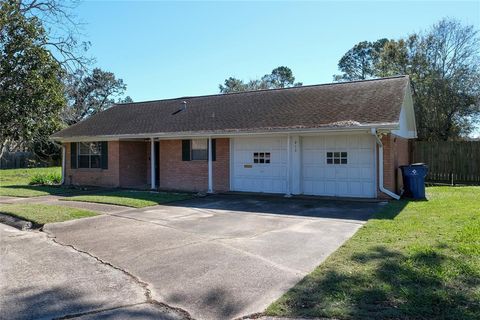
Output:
x=206 y=134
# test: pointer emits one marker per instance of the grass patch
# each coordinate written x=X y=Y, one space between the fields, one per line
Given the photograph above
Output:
x=16 y=182
x=51 y=178
x=39 y=214
x=136 y=199
x=413 y=260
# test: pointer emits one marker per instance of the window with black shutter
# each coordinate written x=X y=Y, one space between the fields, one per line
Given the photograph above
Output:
x=92 y=155
x=197 y=149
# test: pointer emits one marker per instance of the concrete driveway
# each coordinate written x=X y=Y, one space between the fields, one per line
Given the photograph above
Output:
x=219 y=257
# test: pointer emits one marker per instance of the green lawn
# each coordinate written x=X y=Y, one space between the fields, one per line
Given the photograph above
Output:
x=40 y=214
x=414 y=260
x=15 y=183
x=136 y=199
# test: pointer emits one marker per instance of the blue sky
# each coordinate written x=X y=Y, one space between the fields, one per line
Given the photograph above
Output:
x=172 y=49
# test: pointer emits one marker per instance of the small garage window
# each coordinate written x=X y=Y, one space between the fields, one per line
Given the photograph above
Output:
x=261 y=157
x=337 y=157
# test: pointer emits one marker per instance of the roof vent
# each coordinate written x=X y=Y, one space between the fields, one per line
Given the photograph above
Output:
x=184 y=108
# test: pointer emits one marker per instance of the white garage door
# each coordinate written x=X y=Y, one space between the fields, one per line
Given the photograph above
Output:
x=259 y=165
x=340 y=165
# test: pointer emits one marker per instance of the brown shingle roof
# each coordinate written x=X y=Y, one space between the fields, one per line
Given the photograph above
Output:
x=367 y=102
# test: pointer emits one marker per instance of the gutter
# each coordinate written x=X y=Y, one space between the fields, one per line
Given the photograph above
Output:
x=380 y=167
x=225 y=134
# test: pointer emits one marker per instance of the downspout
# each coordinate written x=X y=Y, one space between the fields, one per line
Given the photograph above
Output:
x=380 y=167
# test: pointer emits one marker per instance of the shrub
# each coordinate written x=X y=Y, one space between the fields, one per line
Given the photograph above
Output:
x=48 y=178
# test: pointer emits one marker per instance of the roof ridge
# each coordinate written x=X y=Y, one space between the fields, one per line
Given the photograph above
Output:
x=264 y=90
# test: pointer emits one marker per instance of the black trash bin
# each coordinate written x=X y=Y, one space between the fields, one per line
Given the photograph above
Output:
x=414 y=180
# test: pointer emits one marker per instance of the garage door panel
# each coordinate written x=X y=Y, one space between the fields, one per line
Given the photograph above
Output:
x=353 y=179
x=329 y=172
x=259 y=177
x=313 y=172
x=341 y=173
x=354 y=173
x=356 y=188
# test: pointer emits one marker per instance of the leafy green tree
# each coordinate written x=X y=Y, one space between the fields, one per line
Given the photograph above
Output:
x=444 y=68
x=232 y=85
x=31 y=90
x=91 y=92
x=280 y=77
x=360 y=61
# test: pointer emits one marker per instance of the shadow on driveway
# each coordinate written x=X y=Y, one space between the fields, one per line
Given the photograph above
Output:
x=360 y=210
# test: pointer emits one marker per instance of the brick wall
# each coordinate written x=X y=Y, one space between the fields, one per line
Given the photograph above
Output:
x=176 y=174
x=133 y=164
x=395 y=154
x=95 y=177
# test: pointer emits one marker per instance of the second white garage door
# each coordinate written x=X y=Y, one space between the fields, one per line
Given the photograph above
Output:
x=341 y=165
x=259 y=165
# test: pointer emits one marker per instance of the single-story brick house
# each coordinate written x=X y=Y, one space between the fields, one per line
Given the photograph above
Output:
x=342 y=139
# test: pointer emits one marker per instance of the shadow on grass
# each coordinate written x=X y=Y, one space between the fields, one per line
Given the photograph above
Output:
x=399 y=287
x=42 y=190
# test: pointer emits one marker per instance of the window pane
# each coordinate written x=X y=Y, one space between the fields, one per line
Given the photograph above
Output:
x=344 y=161
x=336 y=161
x=95 y=148
x=336 y=154
x=267 y=160
x=255 y=160
x=199 y=154
x=83 y=161
x=329 y=161
x=255 y=154
x=199 y=144
x=267 y=155
x=344 y=154
x=95 y=161
x=329 y=154
x=262 y=160
x=84 y=148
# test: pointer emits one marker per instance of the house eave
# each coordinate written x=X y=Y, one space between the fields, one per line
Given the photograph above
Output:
x=233 y=133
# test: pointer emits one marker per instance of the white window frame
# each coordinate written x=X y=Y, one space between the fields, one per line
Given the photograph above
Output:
x=89 y=154
x=262 y=157
x=336 y=158
x=192 y=142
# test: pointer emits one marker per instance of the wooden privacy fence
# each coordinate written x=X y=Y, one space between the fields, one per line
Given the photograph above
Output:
x=453 y=162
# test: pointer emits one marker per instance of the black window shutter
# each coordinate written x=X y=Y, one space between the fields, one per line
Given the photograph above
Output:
x=73 y=155
x=104 y=148
x=186 y=150
x=214 y=149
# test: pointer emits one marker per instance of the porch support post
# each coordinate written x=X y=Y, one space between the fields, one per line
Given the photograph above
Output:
x=210 y=166
x=152 y=164
x=64 y=163
x=288 y=194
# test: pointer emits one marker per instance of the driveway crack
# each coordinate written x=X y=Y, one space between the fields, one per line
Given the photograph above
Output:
x=144 y=285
